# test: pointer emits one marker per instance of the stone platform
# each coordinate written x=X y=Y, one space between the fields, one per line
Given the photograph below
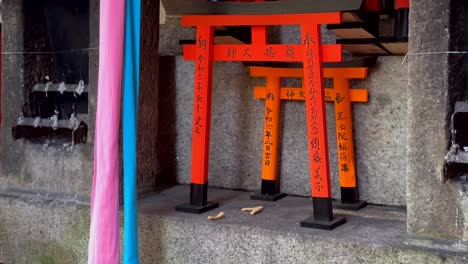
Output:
x=36 y=229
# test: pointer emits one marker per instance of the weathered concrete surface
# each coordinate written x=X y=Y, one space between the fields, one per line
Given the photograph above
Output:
x=53 y=232
x=170 y=34
x=237 y=128
x=38 y=232
x=435 y=83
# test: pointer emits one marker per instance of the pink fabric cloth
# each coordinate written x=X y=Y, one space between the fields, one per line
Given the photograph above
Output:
x=104 y=232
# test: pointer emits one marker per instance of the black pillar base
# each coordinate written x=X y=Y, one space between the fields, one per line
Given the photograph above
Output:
x=349 y=206
x=372 y=22
x=267 y=197
x=349 y=199
x=198 y=200
x=401 y=24
x=311 y=222
x=196 y=209
x=323 y=216
x=269 y=192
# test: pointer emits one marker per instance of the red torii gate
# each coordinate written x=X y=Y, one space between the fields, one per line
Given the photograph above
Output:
x=310 y=51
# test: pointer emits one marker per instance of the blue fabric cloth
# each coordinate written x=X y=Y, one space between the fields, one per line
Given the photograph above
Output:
x=131 y=81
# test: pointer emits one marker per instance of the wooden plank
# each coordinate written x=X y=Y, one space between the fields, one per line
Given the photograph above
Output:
x=56 y=87
x=351 y=17
x=351 y=30
x=198 y=7
x=47 y=123
x=352 y=33
x=363 y=46
x=396 y=48
x=365 y=49
x=272 y=52
x=261 y=20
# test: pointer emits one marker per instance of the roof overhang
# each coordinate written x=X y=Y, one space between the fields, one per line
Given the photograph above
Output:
x=205 y=7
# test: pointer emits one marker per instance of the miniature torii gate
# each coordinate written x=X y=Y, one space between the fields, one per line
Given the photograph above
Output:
x=342 y=95
x=310 y=51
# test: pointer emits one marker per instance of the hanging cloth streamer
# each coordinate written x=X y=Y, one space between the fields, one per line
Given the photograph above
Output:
x=129 y=124
x=104 y=231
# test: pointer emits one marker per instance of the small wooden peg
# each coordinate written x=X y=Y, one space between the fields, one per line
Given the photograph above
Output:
x=216 y=217
x=253 y=210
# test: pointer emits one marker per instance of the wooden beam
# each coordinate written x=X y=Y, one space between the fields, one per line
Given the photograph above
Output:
x=261 y=20
x=199 y=7
x=293 y=93
x=272 y=52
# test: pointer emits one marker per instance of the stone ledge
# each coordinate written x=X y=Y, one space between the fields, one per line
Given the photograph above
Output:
x=58 y=231
x=375 y=234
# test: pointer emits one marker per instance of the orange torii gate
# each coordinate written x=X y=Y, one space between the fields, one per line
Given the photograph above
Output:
x=341 y=95
x=310 y=51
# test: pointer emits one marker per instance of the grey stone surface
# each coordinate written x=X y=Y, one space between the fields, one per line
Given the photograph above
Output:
x=435 y=207
x=170 y=34
x=52 y=232
x=51 y=170
x=31 y=166
x=37 y=232
x=237 y=128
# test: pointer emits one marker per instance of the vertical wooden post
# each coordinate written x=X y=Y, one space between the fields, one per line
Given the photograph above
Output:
x=269 y=190
x=270 y=184
x=201 y=124
x=345 y=145
x=317 y=132
x=402 y=8
x=371 y=16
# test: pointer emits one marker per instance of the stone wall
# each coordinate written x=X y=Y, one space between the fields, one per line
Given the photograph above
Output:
x=52 y=170
x=27 y=167
x=436 y=207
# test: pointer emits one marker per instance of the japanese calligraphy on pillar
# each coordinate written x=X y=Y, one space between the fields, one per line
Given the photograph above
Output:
x=344 y=133
x=315 y=111
x=200 y=65
x=202 y=103
x=268 y=128
x=270 y=137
